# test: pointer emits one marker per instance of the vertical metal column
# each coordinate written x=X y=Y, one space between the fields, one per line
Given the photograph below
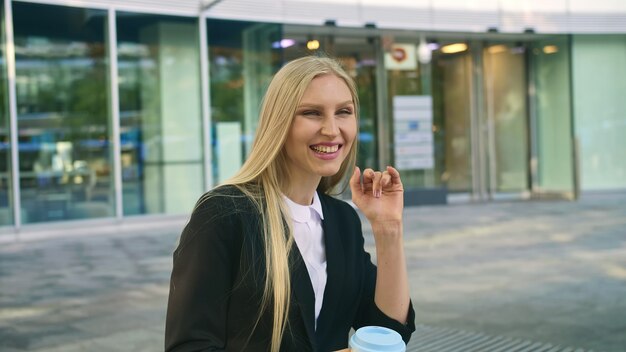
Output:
x=10 y=59
x=205 y=92
x=576 y=163
x=533 y=121
x=489 y=128
x=115 y=112
x=475 y=95
x=381 y=106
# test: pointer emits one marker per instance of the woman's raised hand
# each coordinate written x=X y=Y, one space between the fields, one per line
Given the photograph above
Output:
x=379 y=195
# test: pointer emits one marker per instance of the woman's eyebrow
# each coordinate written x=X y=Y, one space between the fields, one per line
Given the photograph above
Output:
x=319 y=106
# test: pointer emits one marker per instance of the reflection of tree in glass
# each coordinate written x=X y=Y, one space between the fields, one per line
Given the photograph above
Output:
x=86 y=120
x=227 y=85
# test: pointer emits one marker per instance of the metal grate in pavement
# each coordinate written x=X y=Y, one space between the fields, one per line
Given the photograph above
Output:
x=432 y=339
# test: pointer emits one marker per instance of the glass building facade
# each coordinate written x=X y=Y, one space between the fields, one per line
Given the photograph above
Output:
x=108 y=114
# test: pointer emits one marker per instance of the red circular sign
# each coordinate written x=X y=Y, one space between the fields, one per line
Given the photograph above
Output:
x=398 y=54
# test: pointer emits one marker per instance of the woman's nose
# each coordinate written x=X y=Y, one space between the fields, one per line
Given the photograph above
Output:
x=329 y=126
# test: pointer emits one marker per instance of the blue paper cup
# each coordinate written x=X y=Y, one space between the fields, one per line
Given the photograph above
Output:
x=376 y=339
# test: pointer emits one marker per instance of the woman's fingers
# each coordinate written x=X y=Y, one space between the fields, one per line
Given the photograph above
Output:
x=385 y=180
x=371 y=179
x=394 y=175
x=374 y=181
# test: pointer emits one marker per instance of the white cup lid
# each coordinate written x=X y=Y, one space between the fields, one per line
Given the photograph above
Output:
x=376 y=339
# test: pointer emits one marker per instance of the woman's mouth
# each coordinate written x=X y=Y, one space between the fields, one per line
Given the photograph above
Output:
x=325 y=149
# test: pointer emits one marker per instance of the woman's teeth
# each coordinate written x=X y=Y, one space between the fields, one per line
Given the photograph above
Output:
x=325 y=149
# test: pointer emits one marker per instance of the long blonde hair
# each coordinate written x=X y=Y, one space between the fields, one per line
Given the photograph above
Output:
x=264 y=174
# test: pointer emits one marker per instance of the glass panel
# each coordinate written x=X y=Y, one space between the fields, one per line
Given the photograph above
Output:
x=426 y=121
x=243 y=57
x=553 y=132
x=358 y=58
x=160 y=113
x=257 y=74
x=63 y=113
x=452 y=85
x=6 y=210
x=506 y=90
x=599 y=83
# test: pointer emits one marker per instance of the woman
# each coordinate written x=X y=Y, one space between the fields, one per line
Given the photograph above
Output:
x=240 y=283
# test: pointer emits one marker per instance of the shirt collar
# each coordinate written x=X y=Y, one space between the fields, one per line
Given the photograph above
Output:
x=302 y=213
x=317 y=206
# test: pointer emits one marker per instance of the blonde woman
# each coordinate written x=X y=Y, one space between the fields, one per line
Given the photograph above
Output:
x=269 y=261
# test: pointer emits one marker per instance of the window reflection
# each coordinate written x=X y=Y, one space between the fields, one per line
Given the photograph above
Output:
x=451 y=78
x=160 y=118
x=64 y=136
x=242 y=63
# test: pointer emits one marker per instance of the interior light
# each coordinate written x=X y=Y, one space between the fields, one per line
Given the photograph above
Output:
x=454 y=48
x=433 y=46
x=495 y=49
x=284 y=43
x=550 y=49
x=313 y=44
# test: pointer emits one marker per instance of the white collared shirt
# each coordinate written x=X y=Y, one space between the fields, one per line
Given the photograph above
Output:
x=309 y=237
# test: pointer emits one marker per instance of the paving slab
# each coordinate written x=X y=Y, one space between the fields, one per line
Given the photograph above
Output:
x=551 y=272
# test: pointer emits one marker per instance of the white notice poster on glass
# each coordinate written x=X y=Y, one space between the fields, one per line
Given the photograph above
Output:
x=413 y=132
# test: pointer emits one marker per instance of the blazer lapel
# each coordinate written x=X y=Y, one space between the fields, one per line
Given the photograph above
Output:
x=303 y=292
x=335 y=266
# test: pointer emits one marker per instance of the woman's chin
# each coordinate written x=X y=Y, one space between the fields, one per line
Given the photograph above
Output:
x=327 y=172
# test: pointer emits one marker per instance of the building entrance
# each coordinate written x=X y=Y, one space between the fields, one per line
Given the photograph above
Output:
x=504 y=112
x=482 y=95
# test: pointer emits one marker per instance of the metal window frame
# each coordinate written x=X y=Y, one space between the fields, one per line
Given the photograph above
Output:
x=205 y=91
x=11 y=74
x=115 y=110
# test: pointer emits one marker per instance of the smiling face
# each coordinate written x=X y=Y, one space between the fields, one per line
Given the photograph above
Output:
x=322 y=132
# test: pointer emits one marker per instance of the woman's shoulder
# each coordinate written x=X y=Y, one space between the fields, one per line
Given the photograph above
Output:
x=233 y=191
x=227 y=199
x=220 y=214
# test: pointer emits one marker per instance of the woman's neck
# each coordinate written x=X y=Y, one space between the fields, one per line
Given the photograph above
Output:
x=301 y=193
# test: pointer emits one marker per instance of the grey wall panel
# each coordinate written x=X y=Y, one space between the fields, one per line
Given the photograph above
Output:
x=396 y=17
x=597 y=23
x=607 y=17
x=429 y=15
x=178 y=7
x=472 y=21
x=345 y=13
x=268 y=11
x=549 y=23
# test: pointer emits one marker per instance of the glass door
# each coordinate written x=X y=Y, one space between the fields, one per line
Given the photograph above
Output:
x=452 y=98
x=552 y=148
x=505 y=118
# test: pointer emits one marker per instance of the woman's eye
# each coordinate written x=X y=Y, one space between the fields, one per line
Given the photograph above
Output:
x=345 y=112
x=310 y=113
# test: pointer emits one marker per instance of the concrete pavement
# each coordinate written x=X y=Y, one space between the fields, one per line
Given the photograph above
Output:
x=548 y=271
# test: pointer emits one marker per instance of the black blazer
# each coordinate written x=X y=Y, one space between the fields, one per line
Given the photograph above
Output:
x=219 y=273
